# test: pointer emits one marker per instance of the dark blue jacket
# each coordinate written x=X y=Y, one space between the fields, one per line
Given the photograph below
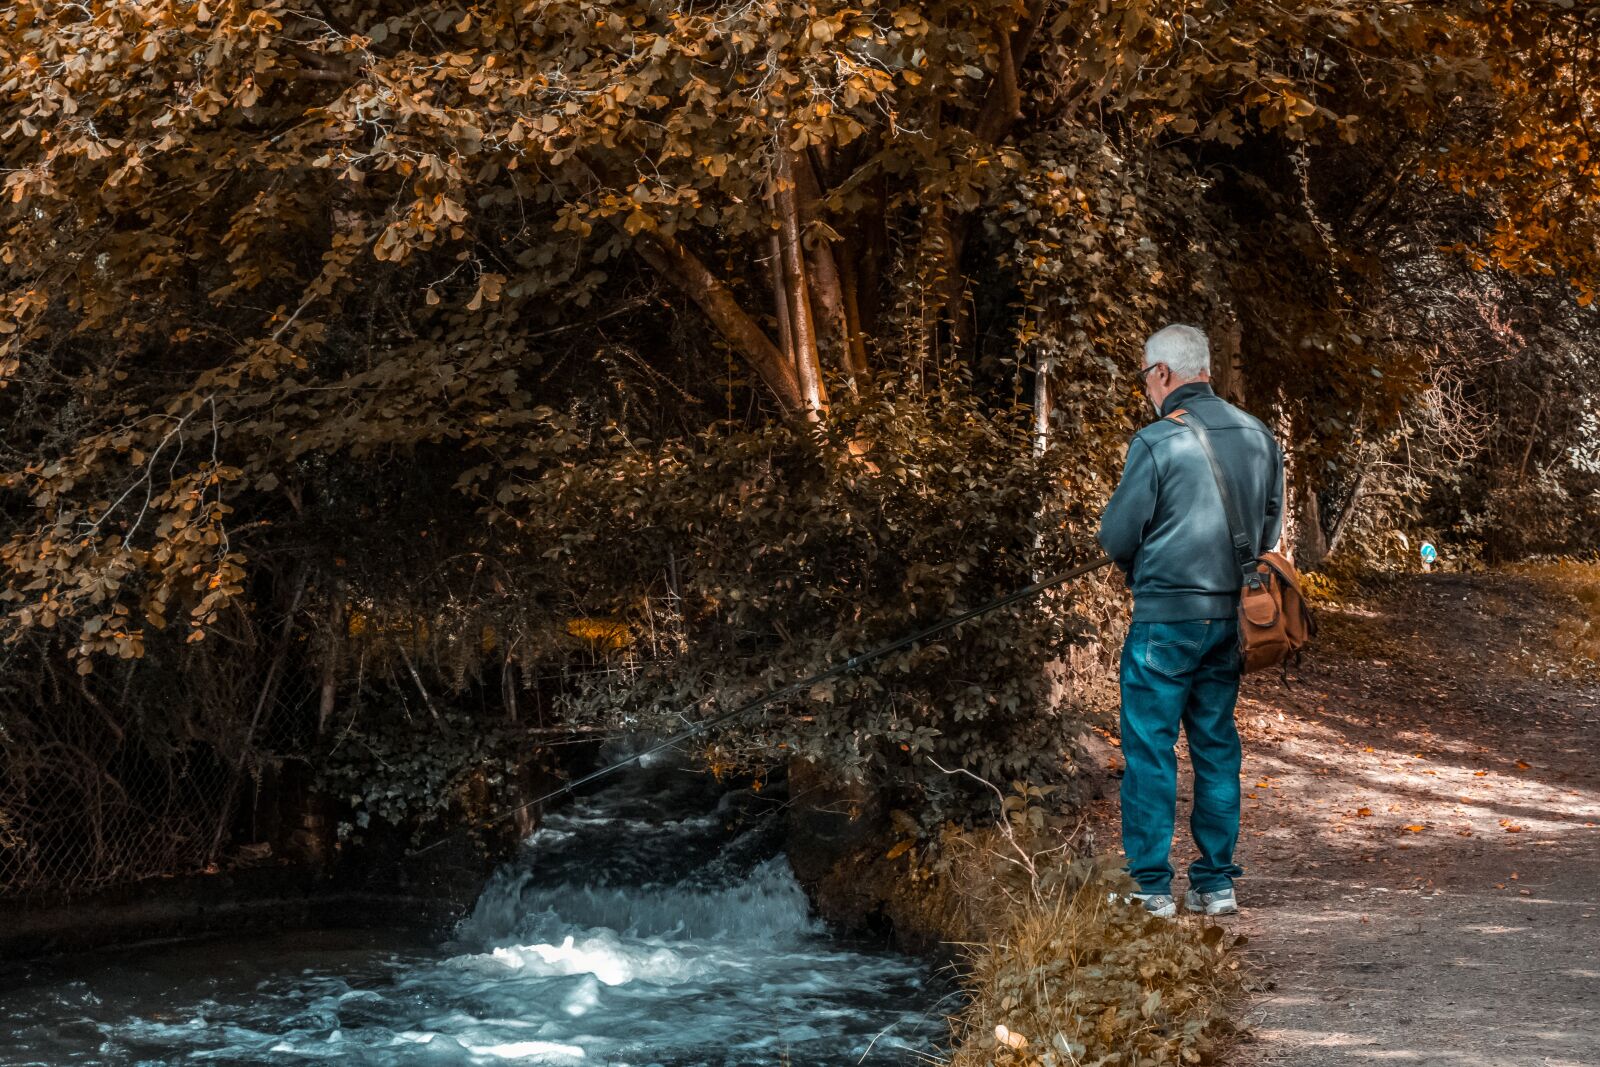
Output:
x=1165 y=525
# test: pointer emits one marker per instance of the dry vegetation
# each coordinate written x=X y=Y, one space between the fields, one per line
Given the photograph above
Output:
x=1071 y=976
x=1576 y=641
x=1059 y=970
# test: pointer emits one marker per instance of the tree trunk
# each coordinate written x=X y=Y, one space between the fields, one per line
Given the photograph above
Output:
x=1303 y=539
x=1041 y=406
x=683 y=268
x=1227 y=364
x=268 y=693
x=868 y=269
x=807 y=364
x=508 y=687
x=1349 y=509
x=780 y=297
x=1311 y=544
x=1002 y=107
x=850 y=285
x=332 y=657
x=837 y=330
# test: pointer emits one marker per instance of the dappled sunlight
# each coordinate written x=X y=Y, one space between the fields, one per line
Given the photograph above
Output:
x=1421 y=840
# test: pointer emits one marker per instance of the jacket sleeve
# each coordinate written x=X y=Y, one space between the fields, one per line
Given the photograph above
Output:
x=1272 y=527
x=1132 y=506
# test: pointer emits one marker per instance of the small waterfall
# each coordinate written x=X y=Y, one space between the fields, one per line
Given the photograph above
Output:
x=655 y=922
x=767 y=906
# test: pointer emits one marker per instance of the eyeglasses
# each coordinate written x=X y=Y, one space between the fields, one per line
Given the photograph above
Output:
x=1144 y=375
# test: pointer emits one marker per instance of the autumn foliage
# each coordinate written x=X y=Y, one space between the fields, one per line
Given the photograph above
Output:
x=315 y=308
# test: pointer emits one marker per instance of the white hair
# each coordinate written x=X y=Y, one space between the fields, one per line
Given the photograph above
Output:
x=1183 y=349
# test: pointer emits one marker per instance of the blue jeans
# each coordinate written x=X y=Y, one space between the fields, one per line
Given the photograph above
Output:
x=1184 y=672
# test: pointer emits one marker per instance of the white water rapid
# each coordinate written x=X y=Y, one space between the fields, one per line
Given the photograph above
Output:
x=653 y=923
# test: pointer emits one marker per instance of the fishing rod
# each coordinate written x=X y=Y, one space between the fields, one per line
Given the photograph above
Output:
x=792 y=688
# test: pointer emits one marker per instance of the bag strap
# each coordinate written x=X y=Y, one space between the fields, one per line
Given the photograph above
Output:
x=1242 y=553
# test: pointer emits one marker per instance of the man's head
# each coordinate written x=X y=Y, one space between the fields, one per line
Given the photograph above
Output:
x=1174 y=356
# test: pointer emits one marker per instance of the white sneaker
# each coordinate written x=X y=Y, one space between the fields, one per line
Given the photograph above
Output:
x=1217 y=902
x=1161 y=905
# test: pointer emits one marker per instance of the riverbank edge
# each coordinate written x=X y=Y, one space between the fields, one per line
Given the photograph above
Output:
x=244 y=900
x=1057 y=969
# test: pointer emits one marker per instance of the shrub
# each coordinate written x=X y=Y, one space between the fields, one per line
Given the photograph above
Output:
x=785 y=550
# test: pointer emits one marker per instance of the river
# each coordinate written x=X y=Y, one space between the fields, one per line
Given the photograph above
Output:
x=655 y=922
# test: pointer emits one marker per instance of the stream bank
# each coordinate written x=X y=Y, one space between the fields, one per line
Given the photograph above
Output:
x=653 y=921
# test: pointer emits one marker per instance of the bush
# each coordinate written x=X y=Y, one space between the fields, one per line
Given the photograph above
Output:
x=783 y=551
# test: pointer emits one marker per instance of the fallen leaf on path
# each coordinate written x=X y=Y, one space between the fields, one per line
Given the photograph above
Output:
x=1364 y=813
x=1522 y=766
x=1009 y=1038
x=1479 y=774
x=1416 y=829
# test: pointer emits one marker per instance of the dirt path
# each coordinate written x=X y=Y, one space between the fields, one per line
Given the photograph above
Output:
x=1422 y=839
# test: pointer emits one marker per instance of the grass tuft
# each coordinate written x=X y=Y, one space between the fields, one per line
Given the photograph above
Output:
x=1071 y=977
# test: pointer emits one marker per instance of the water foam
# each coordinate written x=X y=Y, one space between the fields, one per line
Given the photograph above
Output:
x=626 y=934
x=768 y=905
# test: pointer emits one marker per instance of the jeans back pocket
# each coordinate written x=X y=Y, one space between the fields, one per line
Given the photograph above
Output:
x=1171 y=654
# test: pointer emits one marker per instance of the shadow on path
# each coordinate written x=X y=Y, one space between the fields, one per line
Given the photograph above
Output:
x=1421 y=840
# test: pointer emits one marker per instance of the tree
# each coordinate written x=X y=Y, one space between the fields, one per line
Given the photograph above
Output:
x=337 y=295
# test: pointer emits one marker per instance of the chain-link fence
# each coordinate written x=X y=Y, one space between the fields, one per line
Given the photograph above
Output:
x=83 y=806
x=138 y=770
x=175 y=764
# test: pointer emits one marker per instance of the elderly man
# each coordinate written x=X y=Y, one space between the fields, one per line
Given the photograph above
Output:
x=1167 y=529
